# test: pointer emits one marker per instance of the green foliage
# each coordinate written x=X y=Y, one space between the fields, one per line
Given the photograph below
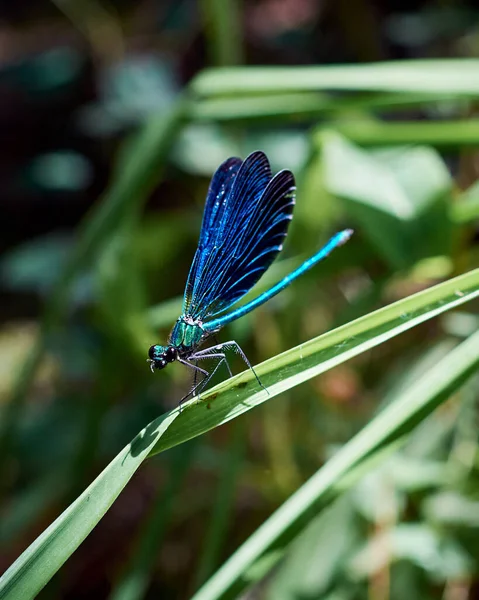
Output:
x=399 y=198
x=346 y=488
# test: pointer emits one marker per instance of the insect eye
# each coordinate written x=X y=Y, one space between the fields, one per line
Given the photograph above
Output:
x=155 y=352
x=170 y=354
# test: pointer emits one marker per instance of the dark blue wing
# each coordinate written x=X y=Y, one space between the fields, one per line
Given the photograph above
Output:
x=218 y=191
x=243 y=237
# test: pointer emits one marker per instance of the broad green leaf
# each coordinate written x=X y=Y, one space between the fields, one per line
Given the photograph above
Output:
x=44 y=557
x=399 y=197
x=254 y=559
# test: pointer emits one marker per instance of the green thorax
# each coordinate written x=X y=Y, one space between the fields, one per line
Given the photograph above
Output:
x=186 y=333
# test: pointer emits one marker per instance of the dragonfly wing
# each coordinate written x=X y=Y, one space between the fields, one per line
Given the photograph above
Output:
x=244 y=239
x=218 y=192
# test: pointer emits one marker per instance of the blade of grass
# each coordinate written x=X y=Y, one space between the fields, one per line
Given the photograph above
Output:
x=389 y=428
x=459 y=77
x=435 y=133
x=239 y=394
x=50 y=550
x=302 y=106
x=26 y=577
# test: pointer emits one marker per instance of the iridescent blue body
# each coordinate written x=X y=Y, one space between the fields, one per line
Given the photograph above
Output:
x=245 y=222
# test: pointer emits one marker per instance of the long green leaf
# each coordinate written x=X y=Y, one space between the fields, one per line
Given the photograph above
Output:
x=459 y=77
x=44 y=557
x=262 y=550
x=433 y=133
x=297 y=365
x=309 y=105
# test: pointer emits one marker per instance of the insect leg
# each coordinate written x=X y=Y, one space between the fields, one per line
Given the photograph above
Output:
x=198 y=388
x=220 y=355
x=195 y=375
x=197 y=369
x=237 y=348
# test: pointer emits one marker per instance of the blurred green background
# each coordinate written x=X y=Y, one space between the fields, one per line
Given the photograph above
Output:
x=113 y=116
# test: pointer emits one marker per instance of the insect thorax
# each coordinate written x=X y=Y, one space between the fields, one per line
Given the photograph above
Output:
x=186 y=333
